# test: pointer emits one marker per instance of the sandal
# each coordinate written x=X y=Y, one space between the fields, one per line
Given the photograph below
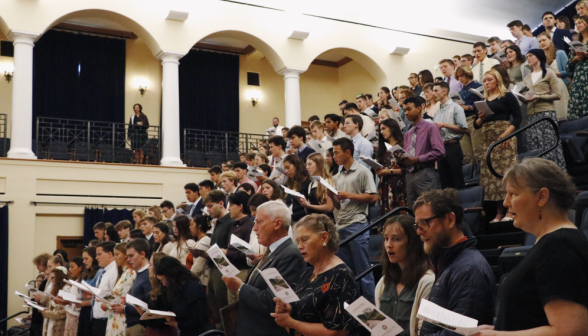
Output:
x=507 y=219
x=495 y=220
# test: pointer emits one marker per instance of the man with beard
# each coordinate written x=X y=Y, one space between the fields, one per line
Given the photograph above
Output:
x=464 y=281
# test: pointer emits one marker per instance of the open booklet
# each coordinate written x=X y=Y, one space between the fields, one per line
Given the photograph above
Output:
x=31 y=288
x=521 y=90
x=99 y=294
x=398 y=152
x=478 y=92
x=241 y=245
x=483 y=107
x=393 y=102
x=34 y=305
x=372 y=318
x=371 y=162
x=149 y=314
x=324 y=182
x=222 y=263
x=280 y=170
x=70 y=297
x=22 y=295
x=500 y=57
x=456 y=98
x=278 y=285
x=447 y=319
x=292 y=192
x=577 y=46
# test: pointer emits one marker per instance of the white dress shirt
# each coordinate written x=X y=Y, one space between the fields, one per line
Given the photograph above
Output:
x=321 y=145
x=106 y=285
x=276 y=175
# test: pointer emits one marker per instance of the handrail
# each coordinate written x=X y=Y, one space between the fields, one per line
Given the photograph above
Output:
x=11 y=317
x=367 y=271
x=522 y=129
x=377 y=222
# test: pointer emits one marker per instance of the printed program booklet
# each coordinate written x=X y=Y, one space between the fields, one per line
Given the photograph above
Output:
x=577 y=46
x=483 y=107
x=149 y=314
x=293 y=192
x=478 y=92
x=241 y=245
x=447 y=319
x=371 y=162
x=324 y=182
x=70 y=297
x=372 y=318
x=222 y=263
x=278 y=285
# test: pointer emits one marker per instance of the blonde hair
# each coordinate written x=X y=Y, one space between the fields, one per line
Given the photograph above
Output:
x=582 y=2
x=385 y=112
x=499 y=83
x=157 y=211
x=317 y=124
x=141 y=214
x=321 y=167
x=231 y=176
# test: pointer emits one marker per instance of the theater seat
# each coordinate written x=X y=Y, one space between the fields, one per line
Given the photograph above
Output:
x=472 y=200
x=471 y=175
x=375 y=248
x=574 y=139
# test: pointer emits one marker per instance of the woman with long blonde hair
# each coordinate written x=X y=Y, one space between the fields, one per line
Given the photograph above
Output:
x=317 y=201
x=495 y=127
x=557 y=60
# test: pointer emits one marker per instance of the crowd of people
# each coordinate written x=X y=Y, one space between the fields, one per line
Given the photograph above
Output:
x=306 y=189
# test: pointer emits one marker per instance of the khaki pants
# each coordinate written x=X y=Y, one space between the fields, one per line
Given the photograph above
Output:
x=471 y=143
x=136 y=330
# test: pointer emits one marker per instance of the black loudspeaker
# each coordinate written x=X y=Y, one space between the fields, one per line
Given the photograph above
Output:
x=253 y=78
x=6 y=49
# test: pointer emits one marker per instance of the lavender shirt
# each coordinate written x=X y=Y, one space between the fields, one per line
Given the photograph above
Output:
x=429 y=143
x=454 y=84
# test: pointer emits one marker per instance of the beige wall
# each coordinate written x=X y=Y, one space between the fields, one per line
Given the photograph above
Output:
x=319 y=91
x=33 y=229
x=353 y=80
x=5 y=95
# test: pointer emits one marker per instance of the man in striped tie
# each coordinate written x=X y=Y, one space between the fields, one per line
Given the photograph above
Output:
x=424 y=145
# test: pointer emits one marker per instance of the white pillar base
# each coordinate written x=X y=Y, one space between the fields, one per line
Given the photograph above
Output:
x=172 y=162
x=21 y=153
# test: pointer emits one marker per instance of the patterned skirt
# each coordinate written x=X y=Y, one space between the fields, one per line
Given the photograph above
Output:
x=71 y=324
x=542 y=137
x=502 y=159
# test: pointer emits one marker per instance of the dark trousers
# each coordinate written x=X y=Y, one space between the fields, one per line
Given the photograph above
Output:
x=99 y=327
x=36 y=329
x=450 y=171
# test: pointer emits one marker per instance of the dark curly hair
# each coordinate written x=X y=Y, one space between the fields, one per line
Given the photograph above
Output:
x=176 y=274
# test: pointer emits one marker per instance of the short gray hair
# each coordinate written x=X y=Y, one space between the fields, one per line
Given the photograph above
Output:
x=275 y=210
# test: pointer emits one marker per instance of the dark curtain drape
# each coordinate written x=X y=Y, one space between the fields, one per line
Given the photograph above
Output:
x=77 y=76
x=209 y=91
x=91 y=217
x=3 y=265
x=116 y=215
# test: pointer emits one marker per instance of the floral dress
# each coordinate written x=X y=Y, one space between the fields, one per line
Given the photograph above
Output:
x=117 y=322
x=392 y=188
x=578 y=103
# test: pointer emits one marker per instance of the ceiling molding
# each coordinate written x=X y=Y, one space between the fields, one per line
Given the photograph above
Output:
x=332 y=64
x=224 y=49
x=343 y=61
x=95 y=31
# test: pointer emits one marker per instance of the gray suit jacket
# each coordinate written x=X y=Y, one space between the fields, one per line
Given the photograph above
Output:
x=256 y=300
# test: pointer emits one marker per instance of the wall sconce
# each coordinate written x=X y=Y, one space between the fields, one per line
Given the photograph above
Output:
x=254 y=95
x=8 y=76
x=8 y=70
x=142 y=84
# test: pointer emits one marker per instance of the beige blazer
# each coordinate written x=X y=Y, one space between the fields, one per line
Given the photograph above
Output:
x=422 y=292
x=545 y=89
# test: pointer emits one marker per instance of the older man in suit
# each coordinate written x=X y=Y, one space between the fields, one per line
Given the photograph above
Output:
x=255 y=298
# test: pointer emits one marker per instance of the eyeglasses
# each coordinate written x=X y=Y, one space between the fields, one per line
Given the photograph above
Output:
x=424 y=224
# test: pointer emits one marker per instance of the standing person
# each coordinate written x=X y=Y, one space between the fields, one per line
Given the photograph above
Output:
x=111 y=235
x=297 y=136
x=72 y=312
x=99 y=229
x=147 y=225
x=137 y=216
x=413 y=80
x=276 y=129
x=199 y=225
x=495 y=127
x=215 y=172
x=161 y=237
x=392 y=186
x=452 y=123
x=193 y=196
x=424 y=145
x=272 y=190
x=332 y=124
x=362 y=147
x=432 y=105
x=154 y=211
x=255 y=298
x=105 y=257
x=557 y=60
x=318 y=201
x=298 y=180
x=91 y=274
x=116 y=325
x=483 y=63
x=517 y=69
x=550 y=29
x=333 y=166
x=55 y=313
x=464 y=282
x=277 y=146
x=407 y=274
x=363 y=105
x=180 y=248
x=40 y=262
x=123 y=228
x=185 y=295
x=356 y=190
x=543 y=81
x=448 y=69
x=368 y=126
x=240 y=169
x=324 y=287
x=471 y=142
x=578 y=66
x=524 y=42
x=546 y=293
x=138 y=126
x=582 y=8
x=321 y=144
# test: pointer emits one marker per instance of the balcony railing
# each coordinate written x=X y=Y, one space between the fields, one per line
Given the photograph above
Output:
x=208 y=148
x=3 y=139
x=99 y=141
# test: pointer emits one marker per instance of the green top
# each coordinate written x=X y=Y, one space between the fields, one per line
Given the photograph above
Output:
x=398 y=307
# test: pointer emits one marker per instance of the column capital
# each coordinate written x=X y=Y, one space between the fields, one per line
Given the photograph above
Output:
x=290 y=72
x=23 y=36
x=169 y=56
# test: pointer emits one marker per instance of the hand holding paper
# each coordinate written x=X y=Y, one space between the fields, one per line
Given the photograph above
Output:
x=241 y=245
x=447 y=319
x=372 y=318
x=325 y=183
x=278 y=285
x=371 y=162
x=222 y=263
x=293 y=192
x=483 y=108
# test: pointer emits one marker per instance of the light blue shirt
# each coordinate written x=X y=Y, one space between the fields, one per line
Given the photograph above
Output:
x=526 y=43
x=273 y=246
x=453 y=114
x=362 y=147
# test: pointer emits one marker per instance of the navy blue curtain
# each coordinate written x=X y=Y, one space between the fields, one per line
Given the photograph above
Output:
x=209 y=91
x=116 y=215
x=3 y=265
x=91 y=217
x=78 y=76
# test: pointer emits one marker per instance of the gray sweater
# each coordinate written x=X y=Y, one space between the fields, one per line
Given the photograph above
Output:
x=141 y=289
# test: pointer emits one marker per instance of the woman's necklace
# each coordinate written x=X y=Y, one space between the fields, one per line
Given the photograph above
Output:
x=317 y=272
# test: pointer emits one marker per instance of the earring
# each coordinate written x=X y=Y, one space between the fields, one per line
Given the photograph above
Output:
x=540 y=213
x=324 y=244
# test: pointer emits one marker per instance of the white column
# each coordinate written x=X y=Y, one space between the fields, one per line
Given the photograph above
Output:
x=170 y=110
x=21 y=138
x=292 y=95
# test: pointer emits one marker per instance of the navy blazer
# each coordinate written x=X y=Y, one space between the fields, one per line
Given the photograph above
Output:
x=195 y=209
x=305 y=153
x=558 y=38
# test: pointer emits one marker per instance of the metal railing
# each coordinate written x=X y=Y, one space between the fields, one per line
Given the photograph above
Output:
x=377 y=222
x=3 y=138
x=520 y=130
x=204 y=148
x=99 y=141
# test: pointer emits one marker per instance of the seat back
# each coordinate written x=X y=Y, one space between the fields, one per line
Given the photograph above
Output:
x=472 y=198
x=529 y=154
x=375 y=248
x=584 y=226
